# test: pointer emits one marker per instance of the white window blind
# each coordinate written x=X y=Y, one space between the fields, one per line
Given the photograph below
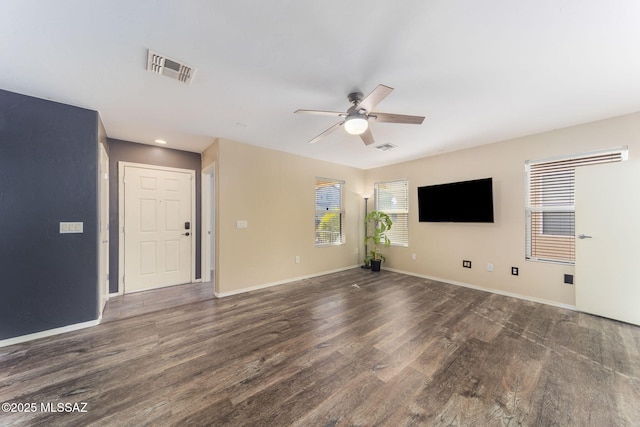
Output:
x=392 y=198
x=550 y=206
x=329 y=213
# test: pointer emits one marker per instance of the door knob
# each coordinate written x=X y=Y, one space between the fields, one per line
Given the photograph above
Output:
x=185 y=234
x=584 y=236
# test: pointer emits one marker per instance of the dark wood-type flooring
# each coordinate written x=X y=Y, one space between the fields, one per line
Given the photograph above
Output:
x=347 y=349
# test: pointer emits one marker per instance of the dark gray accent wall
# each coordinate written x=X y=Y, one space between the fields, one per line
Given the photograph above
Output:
x=149 y=155
x=48 y=174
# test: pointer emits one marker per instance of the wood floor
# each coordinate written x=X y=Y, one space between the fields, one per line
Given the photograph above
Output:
x=130 y=305
x=349 y=349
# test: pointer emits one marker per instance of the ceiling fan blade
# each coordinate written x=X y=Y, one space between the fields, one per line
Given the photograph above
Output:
x=396 y=118
x=326 y=132
x=321 y=113
x=377 y=95
x=367 y=137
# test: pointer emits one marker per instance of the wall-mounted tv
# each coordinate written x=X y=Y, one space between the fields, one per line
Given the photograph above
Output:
x=465 y=201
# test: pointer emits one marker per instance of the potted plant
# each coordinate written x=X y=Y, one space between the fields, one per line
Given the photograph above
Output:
x=378 y=223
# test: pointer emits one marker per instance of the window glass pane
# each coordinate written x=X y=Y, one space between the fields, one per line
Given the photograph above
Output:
x=558 y=223
x=328 y=228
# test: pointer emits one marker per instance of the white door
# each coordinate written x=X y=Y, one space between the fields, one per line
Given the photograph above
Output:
x=158 y=228
x=103 y=251
x=608 y=241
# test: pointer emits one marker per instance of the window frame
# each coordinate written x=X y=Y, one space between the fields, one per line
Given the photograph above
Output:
x=320 y=182
x=392 y=212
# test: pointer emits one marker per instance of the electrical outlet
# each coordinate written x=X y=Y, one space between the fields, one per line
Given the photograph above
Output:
x=413 y=257
x=490 y=267
x=297 y=259
x=466 y=264
x=514 y=271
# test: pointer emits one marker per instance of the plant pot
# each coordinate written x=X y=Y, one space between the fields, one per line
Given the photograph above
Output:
x=375 y=264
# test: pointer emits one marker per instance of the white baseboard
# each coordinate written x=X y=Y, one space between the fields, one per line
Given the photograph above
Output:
x=493 y=291
x=280 y=282
x=49 y=332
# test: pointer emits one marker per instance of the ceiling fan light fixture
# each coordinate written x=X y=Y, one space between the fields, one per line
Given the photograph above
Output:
x=356 y=124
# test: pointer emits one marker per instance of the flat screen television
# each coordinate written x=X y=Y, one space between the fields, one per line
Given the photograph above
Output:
x=465 y=201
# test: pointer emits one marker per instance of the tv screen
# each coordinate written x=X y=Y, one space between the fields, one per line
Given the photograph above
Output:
x=466 y=201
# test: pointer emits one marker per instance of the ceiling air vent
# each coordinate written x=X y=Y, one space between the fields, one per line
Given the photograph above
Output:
x=161 y=64
x=386 y=147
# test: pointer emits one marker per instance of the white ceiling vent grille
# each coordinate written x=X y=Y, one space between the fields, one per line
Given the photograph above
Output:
x=161 y=64
x=386 y=147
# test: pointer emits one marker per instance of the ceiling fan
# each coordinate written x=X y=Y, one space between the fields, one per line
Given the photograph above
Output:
x=357 y=117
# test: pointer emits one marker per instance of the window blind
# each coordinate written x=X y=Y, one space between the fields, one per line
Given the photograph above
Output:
x=550 y=206
x=392 y=198
x=329 y=214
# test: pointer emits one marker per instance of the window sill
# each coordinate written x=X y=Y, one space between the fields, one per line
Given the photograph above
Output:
x=329 y=245
x=551 y=261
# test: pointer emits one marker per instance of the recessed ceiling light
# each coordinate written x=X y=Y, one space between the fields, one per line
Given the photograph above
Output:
x=160 y=141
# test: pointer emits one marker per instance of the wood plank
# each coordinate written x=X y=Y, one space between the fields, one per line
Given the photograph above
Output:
x=393 y=350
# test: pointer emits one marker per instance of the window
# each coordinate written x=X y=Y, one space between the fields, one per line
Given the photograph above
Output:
x=329 y=213
x=550 y=208
x=392 y=198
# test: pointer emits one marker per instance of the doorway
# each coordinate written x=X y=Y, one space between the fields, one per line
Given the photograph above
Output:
x=157 y=217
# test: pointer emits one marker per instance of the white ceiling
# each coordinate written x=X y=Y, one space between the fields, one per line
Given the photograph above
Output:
x=480 y=71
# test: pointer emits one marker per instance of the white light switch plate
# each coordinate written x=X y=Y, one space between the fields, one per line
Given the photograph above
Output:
x=241 y=224
x=71 y=227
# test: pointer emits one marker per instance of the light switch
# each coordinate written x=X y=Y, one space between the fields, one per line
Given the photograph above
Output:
x=241 y=224
x=71 y=227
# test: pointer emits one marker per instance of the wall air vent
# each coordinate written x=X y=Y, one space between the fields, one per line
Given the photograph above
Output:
x=161 y=64
x=386 y=147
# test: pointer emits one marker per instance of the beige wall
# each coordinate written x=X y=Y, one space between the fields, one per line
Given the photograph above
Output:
x=441 y=247
x=274 y=192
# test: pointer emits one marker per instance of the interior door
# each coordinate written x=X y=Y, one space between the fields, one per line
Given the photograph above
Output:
x=158 y=228
x=608 y=241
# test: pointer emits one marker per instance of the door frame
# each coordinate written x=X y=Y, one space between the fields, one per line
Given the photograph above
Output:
x=103 y=234
x=208 y=174
x=121 y=255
